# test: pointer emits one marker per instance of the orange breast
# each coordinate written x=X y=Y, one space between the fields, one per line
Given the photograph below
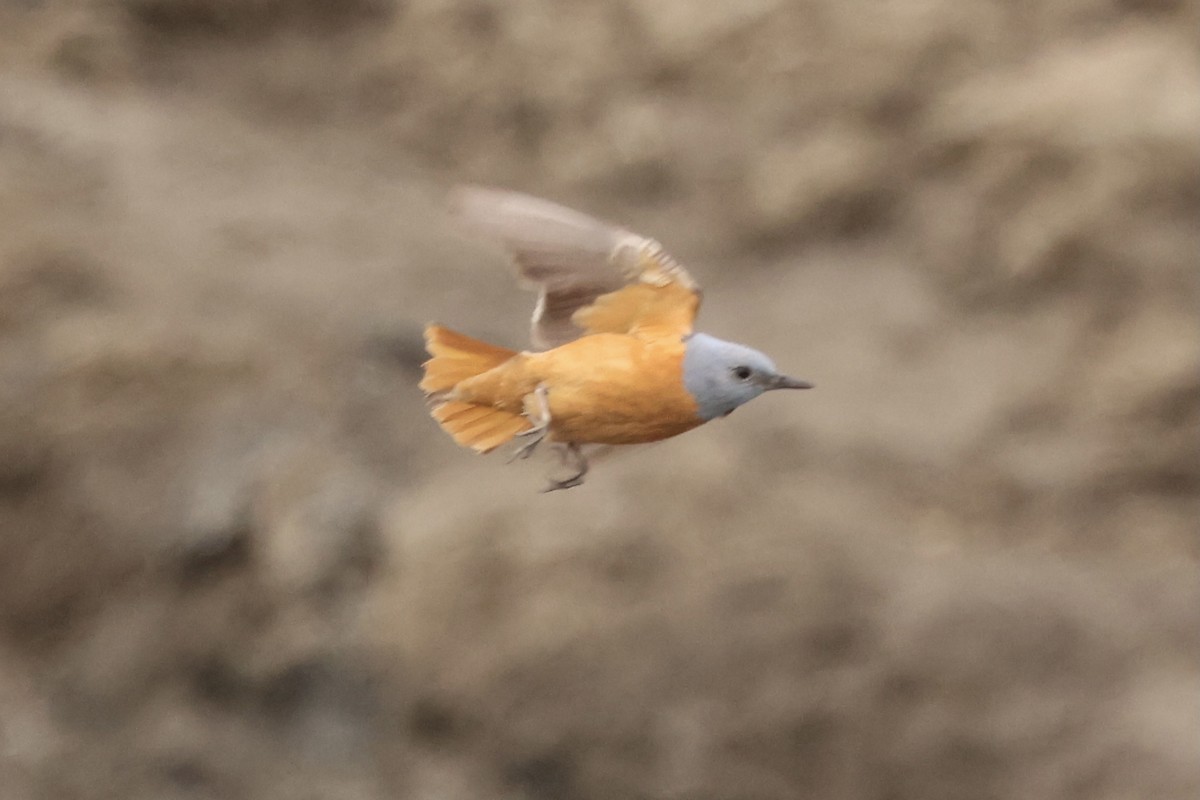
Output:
x=604 y=389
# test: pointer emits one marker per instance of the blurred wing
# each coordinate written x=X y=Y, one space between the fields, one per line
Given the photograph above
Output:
x=592 y=277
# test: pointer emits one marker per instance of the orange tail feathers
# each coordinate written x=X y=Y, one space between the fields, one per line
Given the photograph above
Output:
x=455 y=358
x=481 y=428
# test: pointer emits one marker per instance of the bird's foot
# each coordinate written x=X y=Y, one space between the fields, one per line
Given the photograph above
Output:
x=537 y=410
x=572 y=455
x=536 y=435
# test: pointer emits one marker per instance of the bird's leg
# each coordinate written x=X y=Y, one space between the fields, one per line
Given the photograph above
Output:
x=571 y=454
x=537 y=411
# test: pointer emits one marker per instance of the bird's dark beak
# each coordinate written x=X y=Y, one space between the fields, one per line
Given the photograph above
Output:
x=784 y=382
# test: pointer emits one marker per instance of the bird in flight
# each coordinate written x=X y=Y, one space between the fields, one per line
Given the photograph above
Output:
x=614 y=357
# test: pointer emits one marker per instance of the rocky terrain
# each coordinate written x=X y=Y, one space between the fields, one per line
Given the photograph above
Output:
x=238 y=560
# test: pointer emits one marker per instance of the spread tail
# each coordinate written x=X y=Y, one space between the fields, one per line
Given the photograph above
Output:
x=455 y=358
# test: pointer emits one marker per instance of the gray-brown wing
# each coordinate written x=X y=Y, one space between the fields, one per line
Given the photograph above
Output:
x=570 y=257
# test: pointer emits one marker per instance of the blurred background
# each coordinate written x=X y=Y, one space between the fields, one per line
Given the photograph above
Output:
x=238 y=560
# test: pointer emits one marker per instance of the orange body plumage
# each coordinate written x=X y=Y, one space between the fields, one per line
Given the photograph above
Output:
x=605 y=388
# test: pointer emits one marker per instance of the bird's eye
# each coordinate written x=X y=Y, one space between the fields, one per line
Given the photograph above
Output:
x=742 y=373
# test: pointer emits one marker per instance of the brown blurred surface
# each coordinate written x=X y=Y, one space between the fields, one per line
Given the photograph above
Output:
x=238 y=560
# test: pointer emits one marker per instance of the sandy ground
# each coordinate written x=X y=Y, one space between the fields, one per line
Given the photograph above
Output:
x=238 y=560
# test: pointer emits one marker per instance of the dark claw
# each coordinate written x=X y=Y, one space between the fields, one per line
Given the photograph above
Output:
x=573 y=454
x=554 y=486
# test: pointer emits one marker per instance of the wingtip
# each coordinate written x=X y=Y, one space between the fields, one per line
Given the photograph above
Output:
x=460 y=196
x=475 y=202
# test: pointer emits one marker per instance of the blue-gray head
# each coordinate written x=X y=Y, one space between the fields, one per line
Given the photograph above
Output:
x=722 y=375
